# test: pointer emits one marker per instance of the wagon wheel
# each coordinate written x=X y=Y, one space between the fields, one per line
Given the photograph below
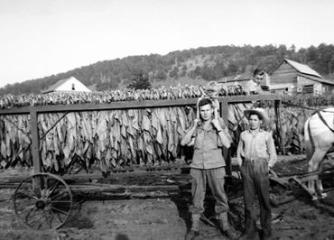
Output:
x=43 y=201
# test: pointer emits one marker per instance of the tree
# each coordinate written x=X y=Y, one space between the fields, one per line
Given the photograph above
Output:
x=183 y=71
x=174 y=72
x=232 y=68
x=161 y=75
x=195 y=73
x=140 y=81
x=282 y=51
x=219 y=69
x=207 y=73
x=292 y=48
x=224 y=61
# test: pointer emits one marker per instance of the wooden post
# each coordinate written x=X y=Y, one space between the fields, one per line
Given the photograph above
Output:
x=279 y=127
x=35 y=140
x=226 y=152
x=223 y=110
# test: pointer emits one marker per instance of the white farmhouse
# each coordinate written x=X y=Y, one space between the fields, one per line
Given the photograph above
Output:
x=67 y=85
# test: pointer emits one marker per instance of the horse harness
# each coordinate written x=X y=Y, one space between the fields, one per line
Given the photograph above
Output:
x=323 y=120
x=318 y=112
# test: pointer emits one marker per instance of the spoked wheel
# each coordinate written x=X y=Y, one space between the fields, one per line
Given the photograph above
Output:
x=43 y=201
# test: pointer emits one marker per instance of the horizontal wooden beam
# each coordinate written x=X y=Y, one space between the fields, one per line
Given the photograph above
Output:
x=15 y=110
x=251 y=98
x=123 y=105
x=117 y=105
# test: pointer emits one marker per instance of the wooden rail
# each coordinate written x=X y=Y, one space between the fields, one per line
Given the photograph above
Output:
x=123 y=105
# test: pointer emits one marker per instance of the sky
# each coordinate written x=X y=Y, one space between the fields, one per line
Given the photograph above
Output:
x=39 y=38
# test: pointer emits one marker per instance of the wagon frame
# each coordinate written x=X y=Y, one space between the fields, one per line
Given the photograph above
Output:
x=51 y=194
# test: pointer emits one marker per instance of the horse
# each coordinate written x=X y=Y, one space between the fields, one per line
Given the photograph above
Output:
x=319 y=139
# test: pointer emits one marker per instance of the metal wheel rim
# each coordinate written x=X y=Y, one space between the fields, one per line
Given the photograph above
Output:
x=51 y=201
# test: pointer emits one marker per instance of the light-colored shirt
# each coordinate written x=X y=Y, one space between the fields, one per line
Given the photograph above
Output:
x=256 y=146
x=253 y=87
x=207 y=149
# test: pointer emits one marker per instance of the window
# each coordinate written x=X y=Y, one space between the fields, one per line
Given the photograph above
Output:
x=73 y=87
x=308 y=88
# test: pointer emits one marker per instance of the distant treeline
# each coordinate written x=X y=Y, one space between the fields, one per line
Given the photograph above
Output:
x=207 y=63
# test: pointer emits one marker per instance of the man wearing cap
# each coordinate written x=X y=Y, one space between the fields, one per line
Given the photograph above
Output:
x=208 y=135
x=256 y=154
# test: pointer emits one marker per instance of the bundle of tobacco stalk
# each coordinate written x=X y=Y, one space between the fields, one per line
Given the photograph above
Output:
x=54 y=98
x=122 y=138
x=109 y=139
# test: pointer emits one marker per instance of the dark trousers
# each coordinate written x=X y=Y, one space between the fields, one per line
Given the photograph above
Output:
x=255 y=175
x=215 y=178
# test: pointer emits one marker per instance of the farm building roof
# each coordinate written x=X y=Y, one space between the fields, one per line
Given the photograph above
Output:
x=55 y=85
x=302 y=68
x=240 y=77
x=324 y=81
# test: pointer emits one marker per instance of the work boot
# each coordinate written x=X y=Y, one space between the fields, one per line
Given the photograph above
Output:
x=266 y=235
x=192 y=235
x=194 y=230
x=231 y=234
x=225 y=227
x=251 y=232
x=248 y=235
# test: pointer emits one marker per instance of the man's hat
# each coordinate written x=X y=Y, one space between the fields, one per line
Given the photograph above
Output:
x=258 y=111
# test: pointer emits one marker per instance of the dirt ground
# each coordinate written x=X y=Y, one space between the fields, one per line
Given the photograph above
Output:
x=167 y=218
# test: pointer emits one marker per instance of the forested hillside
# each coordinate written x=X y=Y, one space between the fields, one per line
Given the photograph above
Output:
x=186 y=66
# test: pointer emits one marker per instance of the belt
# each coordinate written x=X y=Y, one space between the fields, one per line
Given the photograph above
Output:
x=255 y=160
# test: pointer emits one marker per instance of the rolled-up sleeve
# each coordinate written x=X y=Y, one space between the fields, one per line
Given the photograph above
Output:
x=271 y=150
x=226 y=132
x=240 y=150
